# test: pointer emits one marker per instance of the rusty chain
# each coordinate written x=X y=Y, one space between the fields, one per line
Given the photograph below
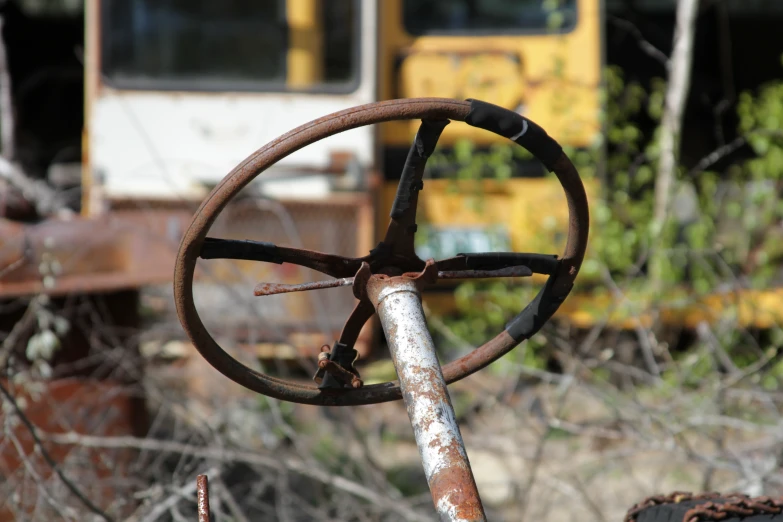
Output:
x=671 y=498
x=714 y=506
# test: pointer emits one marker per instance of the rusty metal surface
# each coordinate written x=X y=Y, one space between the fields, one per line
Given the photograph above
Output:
x=384 y=259
x=263 y=289
x=446 y=465
x=279 y=288
x=578 y=224
x=230 y=186
x=353 y=326
x=202 y=491
x=739 y=508
x=710 y=506
x=70 y=406
x=61 y=256
x=339 y=365
x=672 y=498
x=69 y=248
x=339 y=373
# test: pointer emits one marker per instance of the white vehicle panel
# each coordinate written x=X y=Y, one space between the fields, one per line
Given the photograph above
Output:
x=165 y=144
x=161 y=144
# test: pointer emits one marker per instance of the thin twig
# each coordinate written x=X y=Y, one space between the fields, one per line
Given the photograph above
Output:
x=707 y=336
x=46 y=199
x=247 y=457
x=641 y=333
x=10 y=267
x=644 y=44
x=11 y=340
x=539 y=452
x=715 y=156
x=38 y=479
x=231 y=502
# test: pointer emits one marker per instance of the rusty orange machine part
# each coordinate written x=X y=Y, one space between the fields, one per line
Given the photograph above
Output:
x=60 y=256
x=70 y=407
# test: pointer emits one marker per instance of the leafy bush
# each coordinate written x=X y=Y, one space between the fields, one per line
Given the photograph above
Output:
x=724 y=232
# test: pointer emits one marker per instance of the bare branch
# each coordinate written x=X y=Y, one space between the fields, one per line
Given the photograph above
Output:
x=717 y=155
x=231 y=502
x=46 y=199
x=227 y=455
x=644 y=44
x=671 y=124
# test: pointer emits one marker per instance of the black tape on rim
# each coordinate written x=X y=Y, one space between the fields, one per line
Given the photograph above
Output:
x=345 y=356
x=214 y=248
x=517 y=128
x=536 y=313
x=381 y=251
x=538 y=263
x=411 y=178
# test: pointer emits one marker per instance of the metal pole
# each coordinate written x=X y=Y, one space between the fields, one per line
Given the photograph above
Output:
x=398 y=303
x=202 y=488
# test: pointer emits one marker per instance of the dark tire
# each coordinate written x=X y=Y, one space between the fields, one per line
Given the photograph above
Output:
x=684 y=507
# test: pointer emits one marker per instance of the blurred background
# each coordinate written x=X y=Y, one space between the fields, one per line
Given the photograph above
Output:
x=662 y=371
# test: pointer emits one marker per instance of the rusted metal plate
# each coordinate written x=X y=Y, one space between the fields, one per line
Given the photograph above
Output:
x=81 y=255
x=135 y=245
x=71 y=406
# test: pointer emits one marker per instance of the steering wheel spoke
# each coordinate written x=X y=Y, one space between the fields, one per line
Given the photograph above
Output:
x=263 y=289
x=244 y=249
x=402 y=227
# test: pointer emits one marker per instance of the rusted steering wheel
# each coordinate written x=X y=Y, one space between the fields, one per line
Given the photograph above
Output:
x=395 y=255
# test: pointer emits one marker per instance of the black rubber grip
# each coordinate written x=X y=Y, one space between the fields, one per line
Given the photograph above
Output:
x=538 y=263
x=536 y=313
x=521 y=130
x=214 y=248
x=411 y=178
x=381 y=251
x=345 y=356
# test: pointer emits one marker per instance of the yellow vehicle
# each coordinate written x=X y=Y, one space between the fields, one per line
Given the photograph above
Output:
x=540 y=59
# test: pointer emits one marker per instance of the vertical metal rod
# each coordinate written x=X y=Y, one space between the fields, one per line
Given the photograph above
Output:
x=202 y=487
x=398 y=303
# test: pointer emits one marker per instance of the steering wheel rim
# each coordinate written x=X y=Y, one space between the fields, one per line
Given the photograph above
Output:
x=473 y=112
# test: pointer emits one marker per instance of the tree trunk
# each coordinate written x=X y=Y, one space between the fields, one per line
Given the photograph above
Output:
x=671 y=126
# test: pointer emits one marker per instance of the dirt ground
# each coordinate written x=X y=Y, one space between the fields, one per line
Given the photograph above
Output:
x=592 y=463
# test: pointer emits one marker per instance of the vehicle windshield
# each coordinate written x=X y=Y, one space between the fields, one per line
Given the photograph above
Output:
x=488 y=16
x=203 y=44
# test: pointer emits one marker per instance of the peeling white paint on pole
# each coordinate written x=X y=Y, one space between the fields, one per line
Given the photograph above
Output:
x=446 y=465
